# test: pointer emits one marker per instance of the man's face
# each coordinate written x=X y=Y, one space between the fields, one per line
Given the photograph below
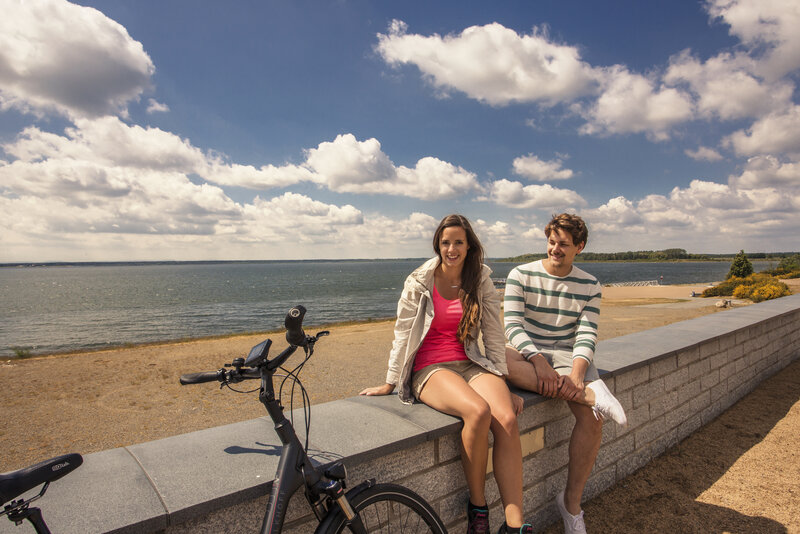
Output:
x=561 y=251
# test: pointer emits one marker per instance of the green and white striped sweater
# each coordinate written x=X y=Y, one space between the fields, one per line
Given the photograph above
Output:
x=543 y=311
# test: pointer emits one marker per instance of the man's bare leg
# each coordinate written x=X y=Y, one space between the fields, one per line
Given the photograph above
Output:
x=583 y=447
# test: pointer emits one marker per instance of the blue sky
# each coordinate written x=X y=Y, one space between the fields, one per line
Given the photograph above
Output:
x=276 y=130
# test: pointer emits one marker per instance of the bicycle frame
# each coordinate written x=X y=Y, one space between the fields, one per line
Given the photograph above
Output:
x=294 y=468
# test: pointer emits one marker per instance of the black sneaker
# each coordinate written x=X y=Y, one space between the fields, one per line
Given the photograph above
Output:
x=524 y=529
x=478 y=521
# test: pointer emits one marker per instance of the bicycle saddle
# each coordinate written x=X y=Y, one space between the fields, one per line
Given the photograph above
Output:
x=15 y=483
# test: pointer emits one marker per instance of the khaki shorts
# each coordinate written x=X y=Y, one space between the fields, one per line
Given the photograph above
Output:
x=466 y=369
x=561 y=361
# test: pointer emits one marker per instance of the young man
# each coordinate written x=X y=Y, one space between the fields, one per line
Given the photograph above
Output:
x=551 y=311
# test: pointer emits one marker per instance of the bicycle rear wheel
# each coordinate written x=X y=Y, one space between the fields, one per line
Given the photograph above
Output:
x=387 y=509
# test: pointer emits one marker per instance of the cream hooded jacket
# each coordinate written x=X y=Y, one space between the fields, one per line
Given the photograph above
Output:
x=414 y=316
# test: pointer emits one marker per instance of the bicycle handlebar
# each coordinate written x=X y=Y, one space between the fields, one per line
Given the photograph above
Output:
x=294 y=326
x=199 y=378
x=294 y=335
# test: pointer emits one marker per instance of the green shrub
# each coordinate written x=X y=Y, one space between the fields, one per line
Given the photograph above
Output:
x=741 y=266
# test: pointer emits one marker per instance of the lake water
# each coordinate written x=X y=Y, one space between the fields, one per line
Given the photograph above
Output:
x=57 y=309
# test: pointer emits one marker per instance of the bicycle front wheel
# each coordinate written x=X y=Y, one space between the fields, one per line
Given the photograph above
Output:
x=387 y=509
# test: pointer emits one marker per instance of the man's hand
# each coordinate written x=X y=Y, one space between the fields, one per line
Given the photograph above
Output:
x=571 y=388
x=549 y=381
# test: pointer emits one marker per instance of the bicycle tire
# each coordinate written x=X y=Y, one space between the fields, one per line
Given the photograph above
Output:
x=387 y=509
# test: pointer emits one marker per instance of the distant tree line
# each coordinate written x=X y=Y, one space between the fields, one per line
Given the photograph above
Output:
x=669 y=254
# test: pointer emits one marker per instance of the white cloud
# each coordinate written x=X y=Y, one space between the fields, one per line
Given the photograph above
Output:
x=631 y=103
x=492 y=63
x=778 y=133
x=70 y=59
x=726 y=86
x=348 y=165
x=768 y=27
x=156 y=107
x=516 y=195
x=703 y=153
x=767 y=171
x=532 y=167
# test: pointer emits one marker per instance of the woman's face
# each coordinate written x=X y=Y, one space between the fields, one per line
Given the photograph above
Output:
x=453 y=247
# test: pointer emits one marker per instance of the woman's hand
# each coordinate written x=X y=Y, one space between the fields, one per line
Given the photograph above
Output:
x=378 y=390
x=518 y=403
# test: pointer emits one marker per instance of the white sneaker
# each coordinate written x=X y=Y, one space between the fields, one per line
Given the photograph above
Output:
x=605 y=404
x=573 y=524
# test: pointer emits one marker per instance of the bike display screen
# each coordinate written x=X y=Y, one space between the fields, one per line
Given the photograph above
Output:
x=258 y=352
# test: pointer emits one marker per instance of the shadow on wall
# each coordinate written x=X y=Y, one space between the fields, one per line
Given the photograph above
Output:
x=662 y=496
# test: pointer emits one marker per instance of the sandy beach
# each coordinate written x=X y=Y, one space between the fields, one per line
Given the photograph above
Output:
x=87 y=402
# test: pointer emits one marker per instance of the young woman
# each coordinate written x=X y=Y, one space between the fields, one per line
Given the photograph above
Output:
x=435 y=358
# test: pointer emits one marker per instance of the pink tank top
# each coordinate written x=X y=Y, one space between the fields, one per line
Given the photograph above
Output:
x=441 y=343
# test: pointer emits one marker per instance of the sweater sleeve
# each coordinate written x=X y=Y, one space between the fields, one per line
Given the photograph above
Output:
x=514 y=314
x=586 y=329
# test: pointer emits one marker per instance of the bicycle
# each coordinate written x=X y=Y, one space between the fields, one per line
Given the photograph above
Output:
x=15 y=483
x=367 y=507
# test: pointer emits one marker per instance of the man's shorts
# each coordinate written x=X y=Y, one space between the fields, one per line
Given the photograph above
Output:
x=561 y=361
x=466 y=369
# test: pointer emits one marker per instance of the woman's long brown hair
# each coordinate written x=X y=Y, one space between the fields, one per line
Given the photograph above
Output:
x=470 y=274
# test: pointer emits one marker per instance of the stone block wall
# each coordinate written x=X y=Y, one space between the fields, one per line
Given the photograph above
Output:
x=671 y=380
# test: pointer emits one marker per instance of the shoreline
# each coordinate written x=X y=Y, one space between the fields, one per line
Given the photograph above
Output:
x=610 y=293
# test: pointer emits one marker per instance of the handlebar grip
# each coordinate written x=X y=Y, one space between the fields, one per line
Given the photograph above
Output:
x=294 y=326
x=199 y=378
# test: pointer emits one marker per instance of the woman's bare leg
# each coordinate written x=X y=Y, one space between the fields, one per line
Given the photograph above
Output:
x=448 y=392
x=507 y=452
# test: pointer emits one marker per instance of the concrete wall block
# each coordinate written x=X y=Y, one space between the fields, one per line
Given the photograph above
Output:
x=646 y=392
x=679 y=415
x=735 y=352
x=533 y=498
x=719 y=390
x=612 y=452
x=727 y=370
x=688 y=391
x=737 y=379
x=649 y=433
x=448 y=448
x=542 y=413
x=708 y=348
x=636 y=418
x=709 y=380
x=699 y=368
x=676 y=379
x=663 y=366
x=701 y=402
x=599 y=481
x=433 y=484
x=632 y=378
x=453 y=507
x=558 y=431
x=544 y=463
x=711 y=412
x=726 y=342
x=741 y=363
x=663 y=442
x=688 y=427
x=394 y=466
x=688 y=355
x=663 y=404
x=633 y=462
x=718 y=360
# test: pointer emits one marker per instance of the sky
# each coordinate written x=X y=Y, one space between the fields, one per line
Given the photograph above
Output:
x=278 y=129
